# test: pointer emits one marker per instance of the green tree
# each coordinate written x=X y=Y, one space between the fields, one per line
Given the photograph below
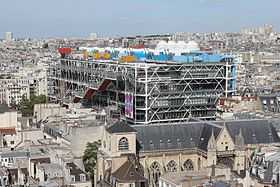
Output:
x=13 y=103
x=90 y=158
x=26 y=106
x=38 y=99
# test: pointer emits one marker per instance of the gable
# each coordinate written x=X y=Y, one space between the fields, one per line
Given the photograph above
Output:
x=254 y=131
x=224 y=141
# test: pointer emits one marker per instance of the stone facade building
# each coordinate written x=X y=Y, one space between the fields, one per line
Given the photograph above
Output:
x=191 y=146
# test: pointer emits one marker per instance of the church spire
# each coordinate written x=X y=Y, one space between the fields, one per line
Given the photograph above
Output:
x=239 y=139
x=212 y=145
x=211 y=150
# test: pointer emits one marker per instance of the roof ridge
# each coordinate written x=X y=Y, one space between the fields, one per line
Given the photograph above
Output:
x=130 y=165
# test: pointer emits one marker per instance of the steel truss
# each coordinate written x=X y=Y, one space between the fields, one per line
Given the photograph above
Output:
x=163 y=92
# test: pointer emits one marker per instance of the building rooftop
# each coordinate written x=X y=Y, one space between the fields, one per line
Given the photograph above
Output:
x=120 y=127
x=23 y=154
x=76 y=171
x=196 y=134
x=179 y=177
x=8 y=131
x=4 y=108
x=50 y=167
x=129 y=172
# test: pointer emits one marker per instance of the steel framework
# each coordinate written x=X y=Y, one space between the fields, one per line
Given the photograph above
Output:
x=162 y=91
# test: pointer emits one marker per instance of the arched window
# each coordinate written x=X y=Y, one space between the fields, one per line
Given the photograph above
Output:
x=171 y=166
x=155 y=166
x=155 y=172
x=188 y=165
x=123 y=144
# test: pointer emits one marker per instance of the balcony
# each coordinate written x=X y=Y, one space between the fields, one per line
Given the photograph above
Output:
x=225 y=153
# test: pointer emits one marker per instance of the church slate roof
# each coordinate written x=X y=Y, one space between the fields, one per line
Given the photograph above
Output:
x=120 y=127
x=254 y=131
x=76 y=172
x=196 y=134
x=206 y=134
x=128 y=172
x=174 y=136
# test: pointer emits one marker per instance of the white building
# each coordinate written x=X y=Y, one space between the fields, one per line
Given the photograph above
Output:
x=13 y=90
x=26 y=82
x=92 y=36
x=37 y=77
x=178 y=47
x=8 y=119
x=8 y=36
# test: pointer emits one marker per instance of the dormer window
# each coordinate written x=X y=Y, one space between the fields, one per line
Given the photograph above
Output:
x=123 y=144
x=151 y=144
x=73 y=178
x=104 y=144
x=169 y=145
x=82 y=177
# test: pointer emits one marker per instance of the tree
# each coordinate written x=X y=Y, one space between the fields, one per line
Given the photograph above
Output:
x=90 y=158
x=26 y=106
x=13 y=103
x=45 y=45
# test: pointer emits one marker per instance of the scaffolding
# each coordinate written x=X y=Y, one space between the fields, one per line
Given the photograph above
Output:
x=162 y=92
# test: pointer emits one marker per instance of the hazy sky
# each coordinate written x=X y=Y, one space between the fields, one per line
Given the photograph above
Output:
x=47 y=18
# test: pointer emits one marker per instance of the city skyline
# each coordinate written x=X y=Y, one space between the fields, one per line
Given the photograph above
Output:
x=130 y=93
x=114 y=18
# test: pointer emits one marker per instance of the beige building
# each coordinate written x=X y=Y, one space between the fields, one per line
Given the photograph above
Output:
x=172 y=148
x=8 y=118
x=42 y=111
x=8 y=127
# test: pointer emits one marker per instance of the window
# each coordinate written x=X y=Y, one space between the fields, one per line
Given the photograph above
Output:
x=188 y=165
x=199 y=163
x=72 y=178
x=172 y=166
x=131 y=185
x=82 y=177
x=123 y=144
x=12 y=142
x=155 y=171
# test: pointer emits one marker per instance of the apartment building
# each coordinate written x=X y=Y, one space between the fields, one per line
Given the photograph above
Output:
x=23 y=84
x=13 y=90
